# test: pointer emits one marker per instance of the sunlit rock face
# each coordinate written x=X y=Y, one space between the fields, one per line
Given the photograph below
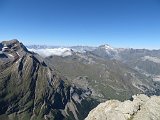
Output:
x=141 y=108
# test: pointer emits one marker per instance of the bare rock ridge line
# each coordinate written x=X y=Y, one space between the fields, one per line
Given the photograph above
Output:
x=141 y=108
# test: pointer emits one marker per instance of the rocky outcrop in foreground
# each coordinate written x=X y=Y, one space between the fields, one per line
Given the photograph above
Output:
x=141 y=108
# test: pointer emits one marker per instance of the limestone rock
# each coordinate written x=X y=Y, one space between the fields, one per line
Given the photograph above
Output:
x=141 y=108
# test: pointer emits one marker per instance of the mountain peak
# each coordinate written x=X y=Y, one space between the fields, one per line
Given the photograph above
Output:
x=10 y=42
x=31 y=88
x=106 y=46
x=12 y=45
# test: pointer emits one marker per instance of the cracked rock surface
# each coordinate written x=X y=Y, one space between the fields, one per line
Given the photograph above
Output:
x=141 y=108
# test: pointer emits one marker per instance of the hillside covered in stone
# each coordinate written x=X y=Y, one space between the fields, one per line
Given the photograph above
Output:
x=141 y=107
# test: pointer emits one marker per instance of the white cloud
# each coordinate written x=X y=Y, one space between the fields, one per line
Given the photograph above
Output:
x=55 y=51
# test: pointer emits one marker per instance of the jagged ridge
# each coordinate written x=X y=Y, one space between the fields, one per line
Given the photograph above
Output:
x=141 y=108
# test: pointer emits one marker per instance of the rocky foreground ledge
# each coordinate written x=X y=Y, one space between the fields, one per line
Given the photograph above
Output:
x=141 y=108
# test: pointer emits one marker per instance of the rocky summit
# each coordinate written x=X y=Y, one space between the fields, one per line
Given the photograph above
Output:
x=141 y=107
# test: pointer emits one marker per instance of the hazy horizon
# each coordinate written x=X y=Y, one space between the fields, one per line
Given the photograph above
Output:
x=91 y=46
x=78 y=45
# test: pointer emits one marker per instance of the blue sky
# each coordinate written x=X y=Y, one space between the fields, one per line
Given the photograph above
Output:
x=120 y=23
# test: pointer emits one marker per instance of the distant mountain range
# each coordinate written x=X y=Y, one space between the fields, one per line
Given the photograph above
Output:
x=120 y=71
x=134 y=58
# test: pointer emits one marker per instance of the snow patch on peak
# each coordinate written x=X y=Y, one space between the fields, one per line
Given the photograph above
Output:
x=107 y=47
x=152 y=59
x=10 y=55
x=53 y=51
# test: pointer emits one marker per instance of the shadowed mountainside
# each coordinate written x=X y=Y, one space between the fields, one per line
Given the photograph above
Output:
x=30 y=90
